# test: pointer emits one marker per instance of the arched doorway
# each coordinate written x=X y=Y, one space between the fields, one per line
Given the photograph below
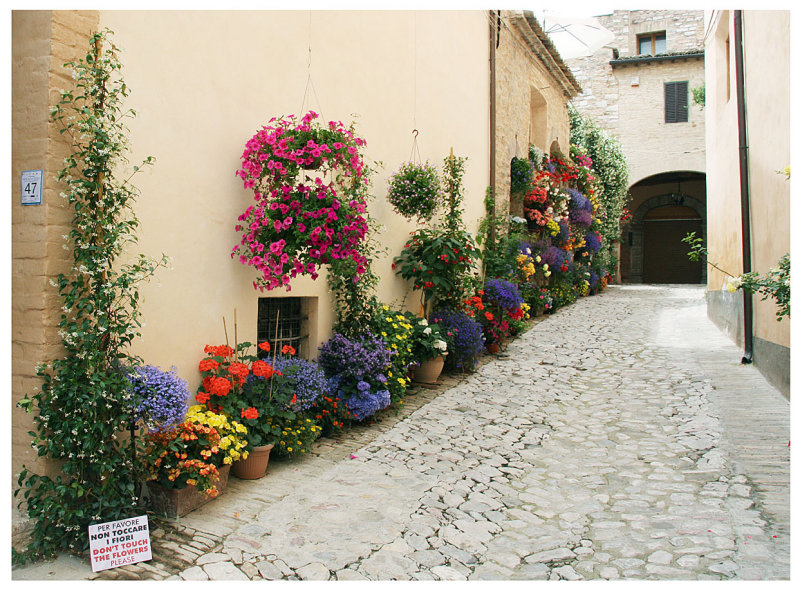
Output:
x=666 y=207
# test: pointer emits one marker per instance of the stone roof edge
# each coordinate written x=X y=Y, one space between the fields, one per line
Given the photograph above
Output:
x=542 y=47
x=678 y=55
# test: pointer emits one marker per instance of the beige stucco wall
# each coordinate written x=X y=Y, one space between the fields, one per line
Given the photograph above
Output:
x=628 y=100
x=767 y=77
x=204 y=82
x=520 y=76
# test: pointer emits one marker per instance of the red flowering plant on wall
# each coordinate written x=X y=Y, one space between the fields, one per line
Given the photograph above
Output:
x=307 y=181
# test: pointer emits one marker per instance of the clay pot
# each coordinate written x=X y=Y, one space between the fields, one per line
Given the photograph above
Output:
x=493 y=348
x=255 y=466
x=429 y=371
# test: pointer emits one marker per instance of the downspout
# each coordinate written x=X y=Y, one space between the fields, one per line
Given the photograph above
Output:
x=494 y=42
x=744 y=183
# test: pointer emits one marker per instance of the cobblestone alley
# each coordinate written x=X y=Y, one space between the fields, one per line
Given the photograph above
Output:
x=619 y=438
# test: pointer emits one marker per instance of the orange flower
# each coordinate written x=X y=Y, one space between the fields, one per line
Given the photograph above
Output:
x=264 y=346
x=489 y=316
x=288 y=349
x=218 y=386
x=202 y=397
x=261 y=368
x=250 y=413
x=207 y=365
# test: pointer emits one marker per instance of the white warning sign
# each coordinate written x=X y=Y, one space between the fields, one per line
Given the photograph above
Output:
x=123 y=542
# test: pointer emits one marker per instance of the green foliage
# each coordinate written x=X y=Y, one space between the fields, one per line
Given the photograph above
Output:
x=84 y=402
x=610 y=165
x=440 y=265
x=775 y=284
x=452 y=177
x=699 y=95
x=353 y=295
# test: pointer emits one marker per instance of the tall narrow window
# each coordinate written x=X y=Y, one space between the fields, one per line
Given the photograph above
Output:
x=652 y=43
x=676 y=102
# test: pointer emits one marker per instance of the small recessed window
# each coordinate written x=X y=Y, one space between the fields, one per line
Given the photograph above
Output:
x=283 y=321
x=676 y=102
x=652 y=43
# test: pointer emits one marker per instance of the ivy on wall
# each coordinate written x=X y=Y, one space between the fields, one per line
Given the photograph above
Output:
x=84 y=406
x=610 y=165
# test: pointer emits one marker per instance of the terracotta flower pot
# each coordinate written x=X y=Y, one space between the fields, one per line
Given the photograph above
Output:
x=429 y=371
x=255 y=466
x=493 y=348
x=173 y=503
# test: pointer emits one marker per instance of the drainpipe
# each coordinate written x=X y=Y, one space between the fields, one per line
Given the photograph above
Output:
x=494 y=41
x=744 y=183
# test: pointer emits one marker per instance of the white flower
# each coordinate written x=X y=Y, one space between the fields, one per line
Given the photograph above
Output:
x=424 y=322
x=427 y=331
x=734 y=284
x=440 y=345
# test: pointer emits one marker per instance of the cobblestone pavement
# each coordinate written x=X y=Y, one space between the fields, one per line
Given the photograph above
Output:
x=619 y=438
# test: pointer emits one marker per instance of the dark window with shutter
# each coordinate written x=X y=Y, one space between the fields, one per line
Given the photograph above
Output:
x=676 y=102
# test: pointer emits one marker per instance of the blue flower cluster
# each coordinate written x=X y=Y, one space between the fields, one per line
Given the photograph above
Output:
x=356 y=370
x=593 y=242
x=160 y=398
x=464 y=336
x=555 y=257
x=366 y=356
x=362 y=398
x=306 y=379
x=593 y=278
x=503 y=294
x=562 y=238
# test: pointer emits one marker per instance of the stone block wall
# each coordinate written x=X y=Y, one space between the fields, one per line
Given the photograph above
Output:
x=530 y=108
x=42 y=41
x=628 y=100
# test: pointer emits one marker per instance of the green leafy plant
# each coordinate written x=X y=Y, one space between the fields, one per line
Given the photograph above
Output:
x=439 y=265
x=699 y=95
x=84 y=404
x=775 y=284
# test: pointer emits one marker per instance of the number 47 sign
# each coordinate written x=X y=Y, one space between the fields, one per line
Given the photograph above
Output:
x=31 y=187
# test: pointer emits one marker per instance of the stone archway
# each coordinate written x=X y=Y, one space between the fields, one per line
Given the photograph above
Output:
x=639 y=243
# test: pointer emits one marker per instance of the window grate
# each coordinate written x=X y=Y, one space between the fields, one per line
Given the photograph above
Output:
x=280 y=322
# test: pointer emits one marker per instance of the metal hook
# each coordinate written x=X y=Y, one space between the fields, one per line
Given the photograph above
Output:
x=416 y=133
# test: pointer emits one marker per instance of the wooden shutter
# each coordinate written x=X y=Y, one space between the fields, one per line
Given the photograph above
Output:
x=676 y=102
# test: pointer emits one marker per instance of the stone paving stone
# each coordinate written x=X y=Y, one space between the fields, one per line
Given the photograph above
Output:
x=617 y=438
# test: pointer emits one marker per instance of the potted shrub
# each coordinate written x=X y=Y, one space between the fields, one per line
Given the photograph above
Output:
x=429 y=349
x=415 y=191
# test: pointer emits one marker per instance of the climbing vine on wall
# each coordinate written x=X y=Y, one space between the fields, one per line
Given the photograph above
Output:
x=610 y=166
x=84 y=404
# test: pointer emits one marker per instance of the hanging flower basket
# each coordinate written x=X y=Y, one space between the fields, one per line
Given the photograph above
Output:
x=298 y=223
x=415 y=191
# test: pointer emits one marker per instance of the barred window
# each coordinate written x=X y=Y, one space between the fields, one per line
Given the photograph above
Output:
x=283 y=321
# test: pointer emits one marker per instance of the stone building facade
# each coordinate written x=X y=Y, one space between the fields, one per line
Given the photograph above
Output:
x=626 y=91
x=200 y=94
x=533 y=88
